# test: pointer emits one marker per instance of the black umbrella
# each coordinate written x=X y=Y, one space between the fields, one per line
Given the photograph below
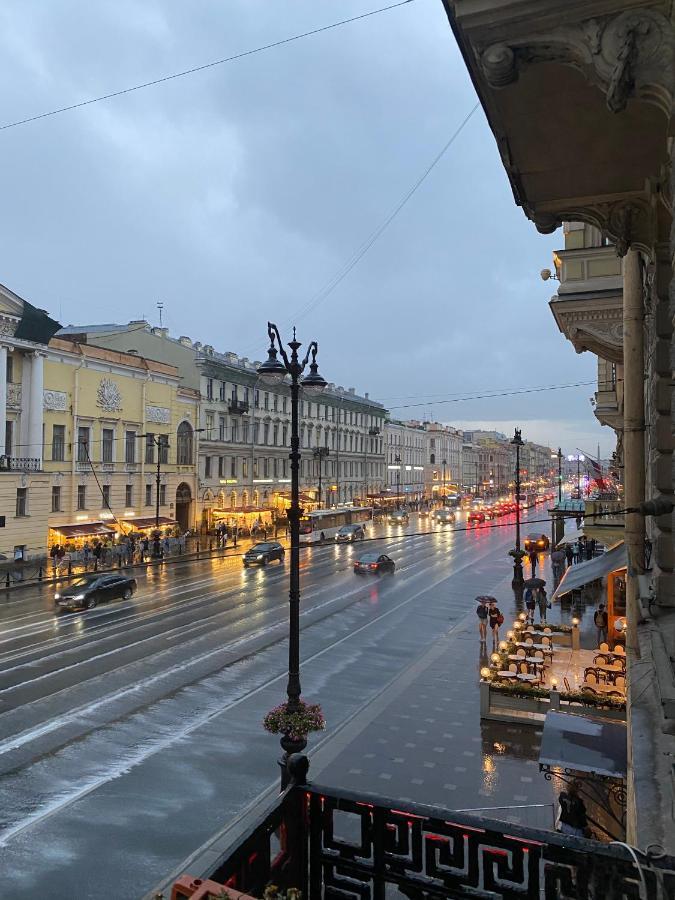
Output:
x=486 y=599
x=534 y=582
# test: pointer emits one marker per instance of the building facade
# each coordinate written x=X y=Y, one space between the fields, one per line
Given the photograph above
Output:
x=245 y=424
x=443 y=463
x=406 y=456
x=611 y=169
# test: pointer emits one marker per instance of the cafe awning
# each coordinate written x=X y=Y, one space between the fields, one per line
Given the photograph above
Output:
x=81 y=529
x=143 y=522
x=583 y=744
x=584 y=573
x=607 y=535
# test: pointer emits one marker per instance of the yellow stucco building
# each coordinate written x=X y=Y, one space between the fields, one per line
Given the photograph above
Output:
x=83 y=428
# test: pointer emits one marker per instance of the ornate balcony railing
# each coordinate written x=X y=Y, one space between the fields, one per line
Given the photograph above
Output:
x=237 y=407
x=20 y=464
x=333 y=843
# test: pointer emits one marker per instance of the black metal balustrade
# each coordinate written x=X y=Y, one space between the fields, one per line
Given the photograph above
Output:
x=336 y=844
x=237 y=407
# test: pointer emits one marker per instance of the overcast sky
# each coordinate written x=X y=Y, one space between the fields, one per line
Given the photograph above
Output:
x=236 y=194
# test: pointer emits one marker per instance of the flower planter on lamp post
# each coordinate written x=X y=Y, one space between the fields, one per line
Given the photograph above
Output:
x=294 y=719
x=517 y=553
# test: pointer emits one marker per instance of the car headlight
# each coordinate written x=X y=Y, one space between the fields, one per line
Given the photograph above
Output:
x=260 y=556
x=78 y=597
x=57 y=596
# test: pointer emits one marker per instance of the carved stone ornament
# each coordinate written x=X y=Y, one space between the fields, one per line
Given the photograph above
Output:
x=159 y=415
x=630 y=55
x=8 y=327
x=55 y=400
x=14 y=396
x=108 y=396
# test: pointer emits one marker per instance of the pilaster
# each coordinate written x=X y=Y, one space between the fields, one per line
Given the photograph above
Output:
x=3 y=396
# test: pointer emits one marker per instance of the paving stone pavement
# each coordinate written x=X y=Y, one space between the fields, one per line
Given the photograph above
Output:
x=427 y=744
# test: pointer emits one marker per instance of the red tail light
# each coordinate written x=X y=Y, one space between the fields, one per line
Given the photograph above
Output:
x=373 y=565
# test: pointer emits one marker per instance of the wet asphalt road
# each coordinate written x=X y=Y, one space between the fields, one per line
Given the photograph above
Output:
x=132 y=732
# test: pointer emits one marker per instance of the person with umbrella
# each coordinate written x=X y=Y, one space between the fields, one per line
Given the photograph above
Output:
x=495 y=618
x=542 y=603
x=482 y=613
x=530 y=603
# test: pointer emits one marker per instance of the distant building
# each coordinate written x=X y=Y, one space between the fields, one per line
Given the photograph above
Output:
x=406 y=453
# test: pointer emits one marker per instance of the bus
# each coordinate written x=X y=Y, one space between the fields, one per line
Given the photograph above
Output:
x=323 y=524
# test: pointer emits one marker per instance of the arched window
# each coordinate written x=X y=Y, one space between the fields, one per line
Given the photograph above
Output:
x=432 y=459
x=184 y=444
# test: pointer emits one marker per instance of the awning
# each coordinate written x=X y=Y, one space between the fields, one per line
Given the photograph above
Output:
x=149 y=522
x=82 y=529
x=570 y=537
x=607 y=535
x=584 y=744
x=586 y=572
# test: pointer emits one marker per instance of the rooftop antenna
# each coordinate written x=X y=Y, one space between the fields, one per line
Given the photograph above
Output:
x=160 y=307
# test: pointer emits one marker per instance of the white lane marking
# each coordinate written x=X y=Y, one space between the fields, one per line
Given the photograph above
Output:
x=151 y=750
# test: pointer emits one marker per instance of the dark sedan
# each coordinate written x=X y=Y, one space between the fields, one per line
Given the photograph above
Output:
x=261 y=554
x=350 y=533
x=374 y=564
x=88 y=591
x=538 y=542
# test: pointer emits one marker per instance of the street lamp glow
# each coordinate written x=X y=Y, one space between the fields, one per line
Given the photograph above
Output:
x=485 y=673
x=495 y=657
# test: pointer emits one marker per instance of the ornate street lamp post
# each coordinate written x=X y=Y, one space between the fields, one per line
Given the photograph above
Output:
x=560 y=456
x=275 y=370
x=517 y=560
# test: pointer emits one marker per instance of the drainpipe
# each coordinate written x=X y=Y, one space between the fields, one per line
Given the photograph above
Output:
x=634 y=432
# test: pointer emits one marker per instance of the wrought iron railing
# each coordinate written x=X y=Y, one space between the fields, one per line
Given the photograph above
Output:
x=332 y=843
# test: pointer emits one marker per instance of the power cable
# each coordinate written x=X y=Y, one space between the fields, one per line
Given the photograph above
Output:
x=202 y=68
x=535 y=390
x=358 y=255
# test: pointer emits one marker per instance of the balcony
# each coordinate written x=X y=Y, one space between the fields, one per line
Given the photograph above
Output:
x=20 y=464
x=608 y=410
x=329 y=843
x=237 y=407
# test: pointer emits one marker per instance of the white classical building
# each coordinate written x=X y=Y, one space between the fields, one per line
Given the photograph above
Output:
x=406 y=454
x=443 y=462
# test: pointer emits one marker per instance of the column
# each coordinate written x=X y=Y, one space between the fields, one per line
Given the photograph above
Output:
x=22 y=440
x=633 y=434
x=3 y=397
x=36 y=408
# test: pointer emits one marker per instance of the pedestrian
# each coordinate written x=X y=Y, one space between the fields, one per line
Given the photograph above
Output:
x=98 y=550
x=145 y=547
x=572 y=818
x=482 y=613
x=591 y=548
x=54 y=553
x=542 y=603
x=530 y=605
x=495 y=619
x=578 y=520
x=569 y=554
x=532 y=554
x=600 y=622
x=576 y=552
x=85 y=552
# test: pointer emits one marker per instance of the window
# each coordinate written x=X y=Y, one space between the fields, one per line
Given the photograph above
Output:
x=184 y=444
x=284 y=463
x=210 y=432
x=275 y=467
x=207 y=467
x=82 y=496
x=235 y=431
x=209 y=388
x=221 y=466
x=9 y=433
x=256 y=433
x=244 y=468
x=162 y=495
x=266 y=467
x=56 y=499
x=233 y=467
x=58 y=442
x=266 y=434
x=105 y=500
x=266 y=400
x=256 y=399
x=284 y=405
x=130 y=447
x=149 y=448
x=255 y=467
x=163 y=448
x=82 y=443
x=223 y=388
x=221 y=428
x=107 y=445
x=275 y=402
x=148 y=495
x=129 y=495
x=10 y=368
x=275 y=435
x=284 y=436
x=21 y=502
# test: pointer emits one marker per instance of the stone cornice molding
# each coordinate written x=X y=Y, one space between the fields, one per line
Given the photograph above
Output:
x=599 y=329
x=628 y=55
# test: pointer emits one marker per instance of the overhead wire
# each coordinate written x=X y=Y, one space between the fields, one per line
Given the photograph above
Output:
x=533 y=390
x=201 y=68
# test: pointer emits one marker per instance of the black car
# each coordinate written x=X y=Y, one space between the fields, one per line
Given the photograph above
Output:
x=399 y=517
x=261 y=554
x=88 y=591
x=374 y=563
x=350 y=533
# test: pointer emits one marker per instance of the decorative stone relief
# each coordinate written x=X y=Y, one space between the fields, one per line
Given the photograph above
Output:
x=629 y=55
x=8 y=328
x=108 y=396
x=160 y=415
x=55 y=400
x=14 y=396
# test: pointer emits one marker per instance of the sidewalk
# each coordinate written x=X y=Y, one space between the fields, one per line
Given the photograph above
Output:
x=423 y=741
